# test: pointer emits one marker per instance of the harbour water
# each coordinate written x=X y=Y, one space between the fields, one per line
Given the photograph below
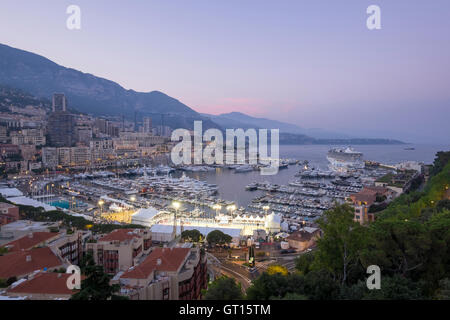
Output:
x=232 y=185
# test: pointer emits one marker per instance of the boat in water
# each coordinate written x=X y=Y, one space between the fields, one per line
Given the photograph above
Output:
x=243 y=168
x=252 y=186
x=343 y=160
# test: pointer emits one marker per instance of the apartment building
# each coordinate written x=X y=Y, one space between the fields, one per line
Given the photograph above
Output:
x=69 y=245
x=120 y=249
x=166 y=274
x=50 y=157
x=66 y=156
x=8 y=213
x=34 y=137
x=363 y=200
x=101 y=149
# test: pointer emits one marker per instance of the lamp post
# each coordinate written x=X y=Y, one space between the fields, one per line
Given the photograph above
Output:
x=266 y=208
x=217 y=207
x=176 y=205
x=100 y=203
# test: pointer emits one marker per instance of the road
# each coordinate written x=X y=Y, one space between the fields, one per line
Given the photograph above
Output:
x=222 y=267
x=220 y=264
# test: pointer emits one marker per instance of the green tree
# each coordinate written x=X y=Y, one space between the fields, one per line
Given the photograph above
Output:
x=303 y=263
x=398 y=246
x=320 y=285
x=268 y=286
x=444 y=289
x=341 y=244
x=218 y=237
x=396 y=288
x=276 y=286
x=276 y=268
x=191 y=235
x=10 y=281
x=3 y=250
x=96 y=285
x=291 y=296
x=224 y=288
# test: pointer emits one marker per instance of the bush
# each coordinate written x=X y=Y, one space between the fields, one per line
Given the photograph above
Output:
x=224 y=288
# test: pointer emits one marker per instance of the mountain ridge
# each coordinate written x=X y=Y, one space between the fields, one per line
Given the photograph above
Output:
x=88 y=93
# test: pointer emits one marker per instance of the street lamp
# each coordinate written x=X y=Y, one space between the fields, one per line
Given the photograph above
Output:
x=177 y=206
x=266 y=208
x=133 y=198
x=217 y=207
x=100 y=203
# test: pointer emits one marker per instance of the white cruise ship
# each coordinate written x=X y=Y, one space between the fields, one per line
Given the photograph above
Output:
x=343 y=160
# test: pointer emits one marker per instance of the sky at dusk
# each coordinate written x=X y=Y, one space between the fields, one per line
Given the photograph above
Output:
x=312 y=63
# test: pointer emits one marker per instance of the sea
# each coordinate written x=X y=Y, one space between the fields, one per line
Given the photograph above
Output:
x=232 y=185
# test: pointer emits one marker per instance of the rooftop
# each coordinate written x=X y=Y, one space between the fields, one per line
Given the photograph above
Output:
x=302 y=235
x=25 y=262
x=121 y=235
x=44 y=283
x=30 y=240
x=160 y=259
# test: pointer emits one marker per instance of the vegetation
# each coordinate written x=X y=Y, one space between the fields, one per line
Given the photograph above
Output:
x=218 y=237
x=96 y=284
x=409 y=241
x=192 y=235
x=67 y=221
x=4 y=283
x=275 y=268
x=3 y=250
x=223 y=288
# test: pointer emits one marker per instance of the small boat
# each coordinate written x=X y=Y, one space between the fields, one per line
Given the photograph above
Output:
x=252 y=186
x=243 y=168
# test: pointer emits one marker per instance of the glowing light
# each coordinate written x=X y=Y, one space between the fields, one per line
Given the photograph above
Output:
x=176 y=205
x=217 y=207
x=101 y=202
x=231 y=207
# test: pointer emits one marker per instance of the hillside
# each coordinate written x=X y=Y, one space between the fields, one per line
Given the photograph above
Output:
x=90 y=94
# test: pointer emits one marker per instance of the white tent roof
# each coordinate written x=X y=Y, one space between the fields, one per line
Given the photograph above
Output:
x=10 y=192
x=31 y=202
x=145 y=214
x=164 y=228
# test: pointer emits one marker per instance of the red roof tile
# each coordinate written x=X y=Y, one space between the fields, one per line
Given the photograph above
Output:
x=44 y=283
x=302 y=235
x=30 y=240
x=170 y=259
x=120 y=235
x=16 y=264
